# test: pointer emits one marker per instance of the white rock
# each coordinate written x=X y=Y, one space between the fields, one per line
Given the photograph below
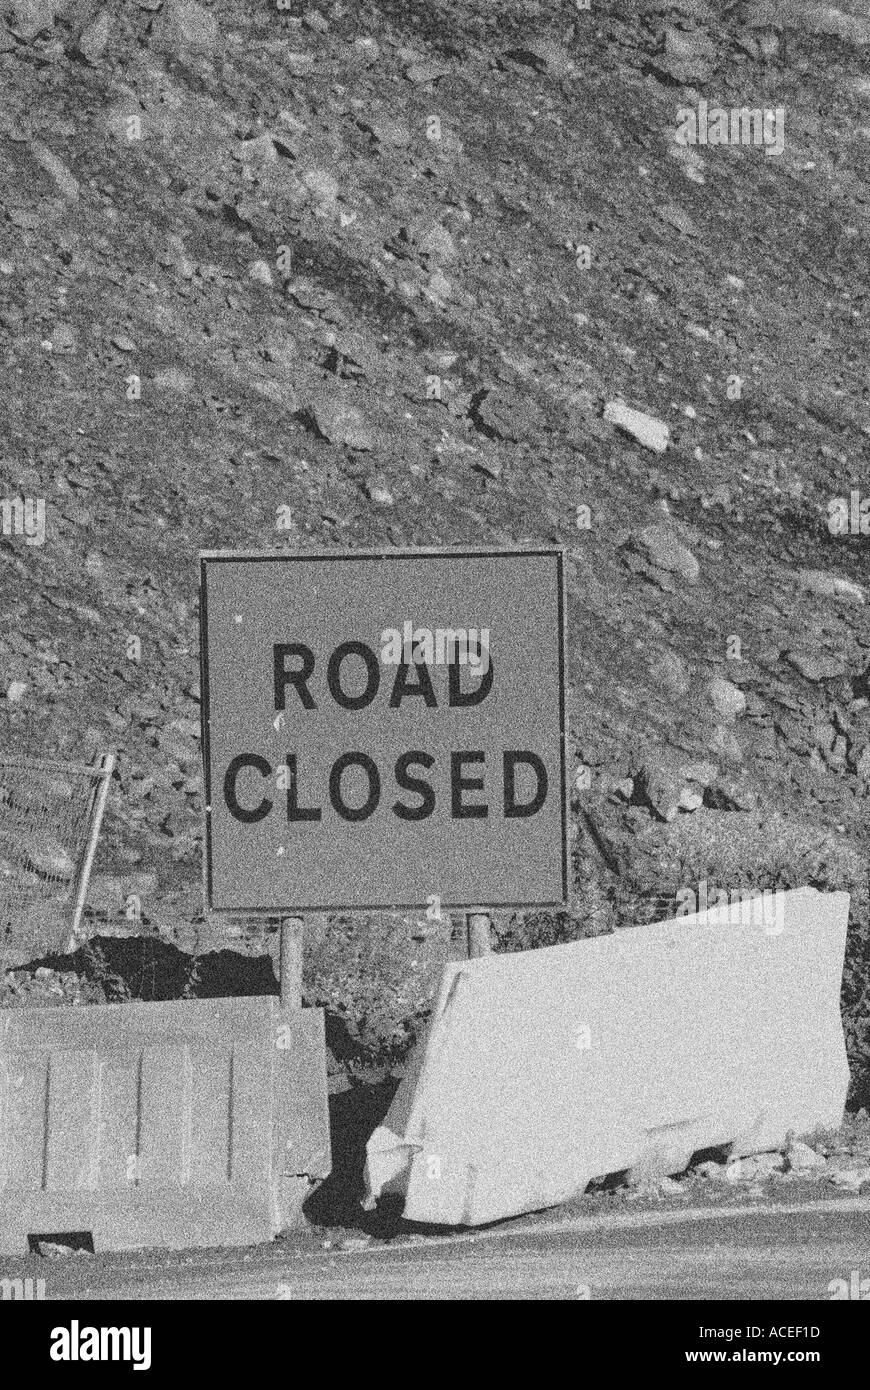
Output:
x=313 y=19
x=666 y=550
x=802 y=1159
x=323 y=189
x=63 y=338
x=815 y=665
x=377 y=491
x=32 y=17
x=671 y=671
x=725 y=744
x=94 y=37
x=831 y=19
x=367 y=49
x=728 y=699
x=298 y=64
x=646 y=429
x=831 y=586
x=426 y=71
x=342 y=423
x=174 y=379
x=714 y=1172
x=48 y=856
x=851 y=1179
x=56 y=169
x=754 y=1166
x=844 y=588
x=690 y=799
x=440 y=288
x=15 y=691
x=259 y=150
x=669 y=1187
x=260 y=271
x=186 y=25
x=437 y=243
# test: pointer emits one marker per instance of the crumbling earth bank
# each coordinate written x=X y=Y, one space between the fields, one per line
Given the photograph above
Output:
x=374 y=274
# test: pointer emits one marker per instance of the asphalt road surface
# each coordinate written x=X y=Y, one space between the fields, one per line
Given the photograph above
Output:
x=792 y=1251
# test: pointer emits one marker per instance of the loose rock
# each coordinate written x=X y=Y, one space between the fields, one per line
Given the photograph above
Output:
x=646 y=429
x=664 y=548
x=186 y=25
x=728 y=699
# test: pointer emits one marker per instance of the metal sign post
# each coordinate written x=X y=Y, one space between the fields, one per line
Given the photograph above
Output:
x=290 y=962
x=478 y=927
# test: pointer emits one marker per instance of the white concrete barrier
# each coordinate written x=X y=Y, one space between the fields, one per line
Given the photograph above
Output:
x=544 y=1069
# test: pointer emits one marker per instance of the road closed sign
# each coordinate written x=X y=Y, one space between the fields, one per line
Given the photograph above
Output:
x=384 y=730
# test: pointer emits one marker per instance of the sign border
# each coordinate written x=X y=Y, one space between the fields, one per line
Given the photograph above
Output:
x=206 y=557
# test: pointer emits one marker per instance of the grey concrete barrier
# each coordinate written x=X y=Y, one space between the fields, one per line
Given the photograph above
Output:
x=174 y=1124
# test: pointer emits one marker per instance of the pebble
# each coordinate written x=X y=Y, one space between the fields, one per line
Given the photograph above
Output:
x=828 y=585
x=63 y=338
x=323 y=188
x=66 y=183
x=439 y=288
x=261 y=272
x=377 y=491
x=426 y=72
x=850 y=1179
x=367 y=49
x=186 y=25
x=545 y=54
x=671 y=672
x=259 y=150
x=754 y=1166
x=437 y=244
x=803 y=1159
x=342 y=423
x=32 y=17
x=679 y=219
x=664 y=549
x=174 y=379
x=714 y=1172
x=94 y=38
x=313 y=19
x=814 y=665
x=725 y=744
x=298 y=64
x=728 y=699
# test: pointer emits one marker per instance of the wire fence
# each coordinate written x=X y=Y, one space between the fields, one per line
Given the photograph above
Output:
x=50 y=815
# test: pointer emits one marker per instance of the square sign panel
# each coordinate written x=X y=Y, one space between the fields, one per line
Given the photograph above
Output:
x=383 y=729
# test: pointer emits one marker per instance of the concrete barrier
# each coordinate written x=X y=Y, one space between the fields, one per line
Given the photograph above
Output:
x=544 y=1069
x=178 y=1124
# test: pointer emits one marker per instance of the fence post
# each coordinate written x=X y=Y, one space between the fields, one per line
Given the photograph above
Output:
x=290 y=962
x=95 y=821
x=477 y=925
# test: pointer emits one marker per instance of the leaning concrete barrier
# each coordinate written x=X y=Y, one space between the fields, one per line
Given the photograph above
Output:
x=545 y=1069
x=177 y=1124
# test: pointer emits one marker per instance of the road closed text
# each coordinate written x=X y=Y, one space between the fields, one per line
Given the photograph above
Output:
x=467 y=782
